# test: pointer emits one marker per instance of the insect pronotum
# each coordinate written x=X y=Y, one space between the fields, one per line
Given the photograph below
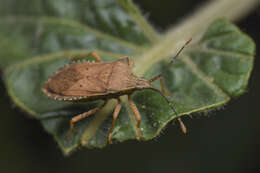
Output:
x=86 y=81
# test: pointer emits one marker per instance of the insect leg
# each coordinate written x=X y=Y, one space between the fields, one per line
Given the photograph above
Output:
x=115 y=115
x=135 y=111
x=164 y=91
x=82 y=116
x=93 y=54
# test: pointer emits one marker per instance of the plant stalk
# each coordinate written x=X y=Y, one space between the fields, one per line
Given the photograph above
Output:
x=193 y=26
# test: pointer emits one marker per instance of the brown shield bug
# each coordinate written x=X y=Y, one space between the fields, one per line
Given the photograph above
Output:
x=88 y=81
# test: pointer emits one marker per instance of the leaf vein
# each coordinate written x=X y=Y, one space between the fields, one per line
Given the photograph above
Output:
x=205 y=49
x=208 y=80
x=73 y=24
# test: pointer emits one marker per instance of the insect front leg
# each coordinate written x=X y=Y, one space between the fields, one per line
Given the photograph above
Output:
x=92 y=54
x=163 y=89
x=82 y=116
x=115 y=115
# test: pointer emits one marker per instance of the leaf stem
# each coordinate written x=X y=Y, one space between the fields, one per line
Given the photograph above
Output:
x=193 y=26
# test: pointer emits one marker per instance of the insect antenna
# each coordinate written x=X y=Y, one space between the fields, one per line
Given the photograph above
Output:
x=171 y=62
x=167 y=100
x=182 y=125
x=174 y=58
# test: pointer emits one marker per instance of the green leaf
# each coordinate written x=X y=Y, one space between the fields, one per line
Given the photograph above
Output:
x=207 y=74
x=48 y=26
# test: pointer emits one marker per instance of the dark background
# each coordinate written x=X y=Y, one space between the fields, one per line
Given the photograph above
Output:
x=224 y=141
